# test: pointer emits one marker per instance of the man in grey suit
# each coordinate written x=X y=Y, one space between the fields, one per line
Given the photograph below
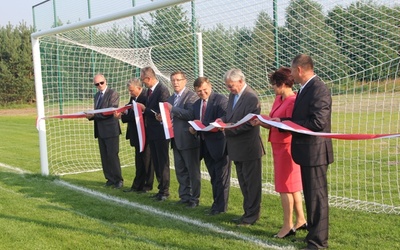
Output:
x=184 y=144
x=107 y=131
x=312 y=110
x=207 y=109
x=245 y=147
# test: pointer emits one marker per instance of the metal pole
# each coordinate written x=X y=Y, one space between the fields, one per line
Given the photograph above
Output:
x=60 y=90
x=195 y=58
x=41 y=125
x=91 y=39
x=135 y=37
x=276 y=33
x=200 y=54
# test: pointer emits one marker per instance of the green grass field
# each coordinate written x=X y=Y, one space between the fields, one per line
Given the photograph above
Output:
x=77 y=212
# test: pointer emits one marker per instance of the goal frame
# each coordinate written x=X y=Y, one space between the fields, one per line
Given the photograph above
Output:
x=35 y=38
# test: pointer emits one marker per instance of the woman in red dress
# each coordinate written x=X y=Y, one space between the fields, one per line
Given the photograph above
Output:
x=287 y=173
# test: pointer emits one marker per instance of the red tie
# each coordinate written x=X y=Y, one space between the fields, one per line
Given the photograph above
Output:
x=203 y=110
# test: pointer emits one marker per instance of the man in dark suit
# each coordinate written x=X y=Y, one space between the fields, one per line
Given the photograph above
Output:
x=185 y=146
x=312 y=110
x=157 y=92
x=245 y=147
x=107 y=131
x=143 y=181
x=207 y=109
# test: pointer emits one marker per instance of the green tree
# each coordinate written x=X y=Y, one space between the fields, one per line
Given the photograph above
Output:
x=261 y=56
x=368 y=35
x=309 y=34
x=16 y=65
x=169 y=31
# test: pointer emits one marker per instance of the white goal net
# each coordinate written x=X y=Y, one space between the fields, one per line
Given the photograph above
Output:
x=355 y=46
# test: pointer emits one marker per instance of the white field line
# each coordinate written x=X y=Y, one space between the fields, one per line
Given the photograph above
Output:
x=158 y=212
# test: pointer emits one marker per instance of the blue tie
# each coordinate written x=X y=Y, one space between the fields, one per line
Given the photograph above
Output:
x=99 y=100
x=235 y=100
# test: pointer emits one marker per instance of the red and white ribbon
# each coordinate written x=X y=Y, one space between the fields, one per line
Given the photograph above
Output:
x=166 y=120
x=105 y=111
x=293 y=127
x=139 y=125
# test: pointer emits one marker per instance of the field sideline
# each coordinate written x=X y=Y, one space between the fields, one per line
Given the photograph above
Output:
x=154 y=211
x=77 y=212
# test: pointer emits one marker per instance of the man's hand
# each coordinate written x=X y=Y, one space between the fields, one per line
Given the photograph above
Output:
x=89 y=116
x=117 y=114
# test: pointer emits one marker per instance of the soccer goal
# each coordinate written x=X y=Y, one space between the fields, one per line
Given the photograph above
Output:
x=355 y=46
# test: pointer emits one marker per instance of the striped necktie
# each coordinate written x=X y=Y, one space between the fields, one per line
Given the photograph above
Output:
x=99 y=100
x=203 y=110
x=176 y=100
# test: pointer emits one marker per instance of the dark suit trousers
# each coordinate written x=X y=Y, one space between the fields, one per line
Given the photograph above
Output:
x=220 y=174
x=187 y=169
x=144 y=176
x=109 y=149
x=160 y=157
x=249 y=176
x=315 y=191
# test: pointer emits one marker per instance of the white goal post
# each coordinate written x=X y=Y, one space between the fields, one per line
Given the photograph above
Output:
x=355 y=47
x=35 y=37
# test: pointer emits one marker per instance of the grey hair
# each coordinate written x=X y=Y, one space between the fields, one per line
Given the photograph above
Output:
x=135 y=82
x=234 y=75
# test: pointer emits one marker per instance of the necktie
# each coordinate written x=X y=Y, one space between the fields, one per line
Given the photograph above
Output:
x=203 y=110
x=235 y=100
x=149 y=92
x=99 y=100
x=176 y=100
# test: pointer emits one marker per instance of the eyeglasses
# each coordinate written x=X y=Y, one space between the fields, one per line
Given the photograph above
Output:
x=177 y=80
x=99 y=83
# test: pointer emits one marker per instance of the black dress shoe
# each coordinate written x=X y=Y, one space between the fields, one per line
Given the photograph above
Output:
x=291 y=232
x=302 y=227
x=129 y=190
x=182 y=202
x=161 y=197
x=119 y=185
x=155 y=196
x=237 y=220
x=192 y=204
x=214 y=212
x=108 y=184
x=312 y=247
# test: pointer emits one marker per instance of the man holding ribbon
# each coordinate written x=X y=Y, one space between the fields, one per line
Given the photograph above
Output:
x=107 y=131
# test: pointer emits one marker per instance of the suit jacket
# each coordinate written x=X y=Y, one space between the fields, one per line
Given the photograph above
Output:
x=244 y=143
x=106 y=126
x=281 y=109
x=181 y=114
x=131 y=130
x=216 y=108
x=154 y=129
x=312 y=110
